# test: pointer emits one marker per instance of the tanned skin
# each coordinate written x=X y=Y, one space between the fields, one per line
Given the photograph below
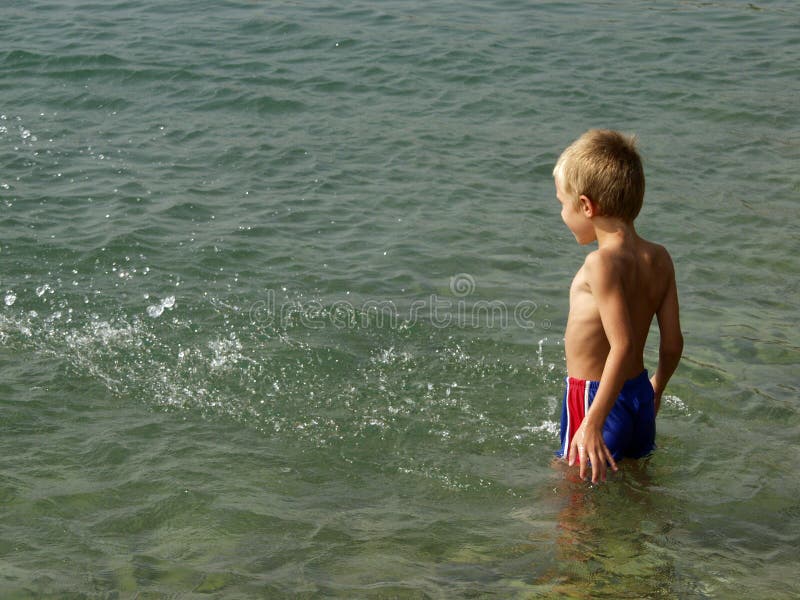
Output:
x=613 y=298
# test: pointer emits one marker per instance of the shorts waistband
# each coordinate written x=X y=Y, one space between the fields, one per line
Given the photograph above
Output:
x=634 y=381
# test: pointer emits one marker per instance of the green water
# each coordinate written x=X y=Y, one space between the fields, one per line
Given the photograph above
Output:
x=283 y=289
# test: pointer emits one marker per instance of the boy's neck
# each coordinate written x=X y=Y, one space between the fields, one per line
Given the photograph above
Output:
x=613 y=231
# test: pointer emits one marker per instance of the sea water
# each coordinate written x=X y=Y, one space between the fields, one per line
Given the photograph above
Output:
x=283 y=289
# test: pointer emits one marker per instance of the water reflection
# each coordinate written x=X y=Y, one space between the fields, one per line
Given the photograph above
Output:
x=610 y=539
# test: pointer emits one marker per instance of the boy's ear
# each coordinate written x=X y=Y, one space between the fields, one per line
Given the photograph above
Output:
x=588 y=206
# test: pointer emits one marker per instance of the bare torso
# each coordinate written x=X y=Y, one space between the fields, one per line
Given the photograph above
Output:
x=644 y=269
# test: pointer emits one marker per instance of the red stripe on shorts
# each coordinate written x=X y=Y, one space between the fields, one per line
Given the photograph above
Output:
x=576 y=408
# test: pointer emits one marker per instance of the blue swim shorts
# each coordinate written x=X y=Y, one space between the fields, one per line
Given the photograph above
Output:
x=630 y=428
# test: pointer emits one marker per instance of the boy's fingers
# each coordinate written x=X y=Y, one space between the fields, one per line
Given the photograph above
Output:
x=597 y=461
x=611 y=460
x=598 y=470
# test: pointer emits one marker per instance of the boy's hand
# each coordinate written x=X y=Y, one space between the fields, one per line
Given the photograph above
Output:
x=588 y=446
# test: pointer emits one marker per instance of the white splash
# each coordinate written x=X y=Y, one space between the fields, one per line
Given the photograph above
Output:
x=156 y=310
x=549 y=427
x=676 y=403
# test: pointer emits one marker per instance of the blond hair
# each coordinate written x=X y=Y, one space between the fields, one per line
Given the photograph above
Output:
x=605 y=166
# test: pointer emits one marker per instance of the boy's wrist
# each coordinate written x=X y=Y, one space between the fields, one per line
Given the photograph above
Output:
x=594 y=422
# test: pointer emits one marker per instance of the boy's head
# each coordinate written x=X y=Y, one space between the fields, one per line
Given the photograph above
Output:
x=604 y=166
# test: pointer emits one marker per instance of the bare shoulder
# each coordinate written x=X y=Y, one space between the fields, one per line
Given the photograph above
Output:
x=658 y=259
x=606 y=261
x=604 y=267
x=657 y=275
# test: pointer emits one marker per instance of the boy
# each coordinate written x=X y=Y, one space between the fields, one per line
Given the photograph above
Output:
x=610 y=405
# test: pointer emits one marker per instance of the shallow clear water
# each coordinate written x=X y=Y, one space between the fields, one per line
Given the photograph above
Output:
x=283 y=288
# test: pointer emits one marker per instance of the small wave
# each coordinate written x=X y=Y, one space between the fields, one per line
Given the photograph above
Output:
x=229 y=99
x=265 y=105
x=24 y=58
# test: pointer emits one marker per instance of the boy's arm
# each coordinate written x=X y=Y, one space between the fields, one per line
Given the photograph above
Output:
x=670 y=345
x=605 y=282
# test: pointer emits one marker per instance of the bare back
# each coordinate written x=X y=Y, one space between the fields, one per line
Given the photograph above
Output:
x=646 y=276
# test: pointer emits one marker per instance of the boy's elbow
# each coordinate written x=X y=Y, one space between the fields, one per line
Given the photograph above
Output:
x=625 y=350
x=673 y=347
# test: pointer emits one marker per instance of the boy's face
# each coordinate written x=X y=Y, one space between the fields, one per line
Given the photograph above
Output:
x=579 y=224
